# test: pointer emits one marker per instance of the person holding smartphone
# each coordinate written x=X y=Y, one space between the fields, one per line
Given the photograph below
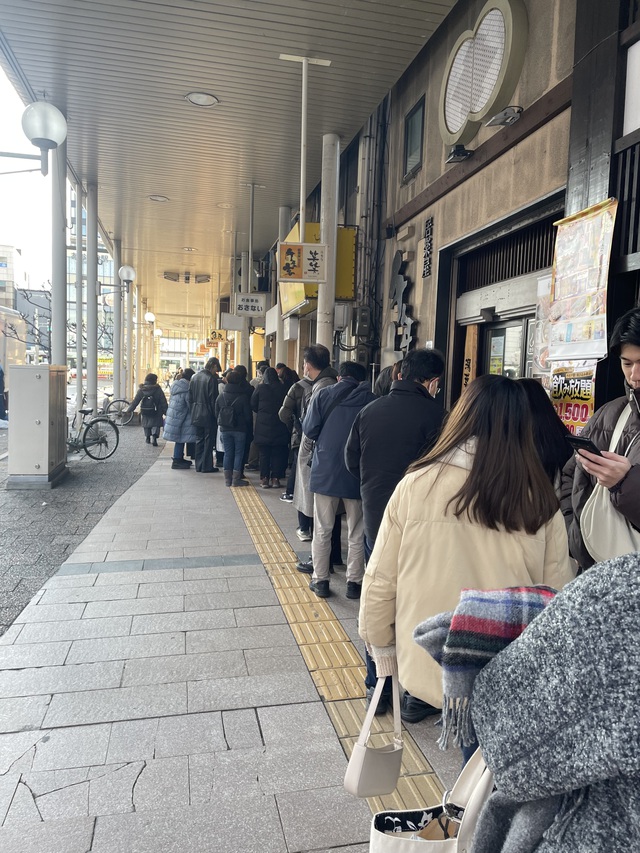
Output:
x=614 y=468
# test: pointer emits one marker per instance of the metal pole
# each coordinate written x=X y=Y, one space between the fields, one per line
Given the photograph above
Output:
x=59 y=256
x=244 y=356
x=117 y=320
x=303 y=147
x=129 y=387
x=218 y=312
x=284 y=222
x=137 y=333
x=92 y=297
x=328 y=236
x=79 y=300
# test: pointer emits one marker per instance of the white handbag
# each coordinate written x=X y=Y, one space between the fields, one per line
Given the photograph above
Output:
x=447 y=828
x=606 y=533
x=371 y=771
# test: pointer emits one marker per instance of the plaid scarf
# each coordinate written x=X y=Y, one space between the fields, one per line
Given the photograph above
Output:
x=463 y=642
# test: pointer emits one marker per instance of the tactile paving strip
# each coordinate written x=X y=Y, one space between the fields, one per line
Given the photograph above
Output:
x=332 y=659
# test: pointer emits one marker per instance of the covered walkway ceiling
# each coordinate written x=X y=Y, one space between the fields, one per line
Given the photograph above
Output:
x=120 y=71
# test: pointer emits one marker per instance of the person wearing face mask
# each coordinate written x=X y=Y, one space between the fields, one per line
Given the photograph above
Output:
x=387 y=436
x=615 y=430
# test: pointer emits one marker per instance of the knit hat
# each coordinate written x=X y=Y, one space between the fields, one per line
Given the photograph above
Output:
x=463 y=642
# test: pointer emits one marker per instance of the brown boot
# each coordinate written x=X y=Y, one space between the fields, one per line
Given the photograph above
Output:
x=264 y=483
x=238 y=480
x=276 y=484
x=227 y=477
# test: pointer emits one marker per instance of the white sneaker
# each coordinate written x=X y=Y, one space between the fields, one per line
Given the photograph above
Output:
x=304 y=535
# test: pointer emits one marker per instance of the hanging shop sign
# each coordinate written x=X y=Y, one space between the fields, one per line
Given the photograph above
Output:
x=577 y=314
x=217 y=335
x=470 y=366
x=250 y=304
x=398 y=288
x=573 y=392
x=302 y=262
x=427 y=249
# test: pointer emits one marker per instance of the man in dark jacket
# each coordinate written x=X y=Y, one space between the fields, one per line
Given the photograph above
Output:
x=328 y=422
x=618 y=471
x=387 y=435
x=203 y=392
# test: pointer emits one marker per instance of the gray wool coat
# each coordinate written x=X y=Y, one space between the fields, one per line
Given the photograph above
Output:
x=557 y=716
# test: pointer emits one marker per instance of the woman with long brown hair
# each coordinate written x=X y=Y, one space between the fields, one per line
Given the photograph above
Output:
x=477 y=511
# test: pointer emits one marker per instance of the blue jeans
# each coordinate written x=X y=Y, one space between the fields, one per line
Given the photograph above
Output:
x=233 y=442
x=178 y=450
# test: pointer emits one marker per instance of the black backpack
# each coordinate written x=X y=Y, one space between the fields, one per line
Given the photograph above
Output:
x=227 y=416
x=148 y=404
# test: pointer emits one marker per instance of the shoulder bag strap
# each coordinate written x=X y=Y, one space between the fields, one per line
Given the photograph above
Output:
x=625 y=414
x=365 y=731
x=339 y=398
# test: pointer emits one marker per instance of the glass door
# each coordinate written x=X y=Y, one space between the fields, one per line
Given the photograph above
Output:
x=505 y=348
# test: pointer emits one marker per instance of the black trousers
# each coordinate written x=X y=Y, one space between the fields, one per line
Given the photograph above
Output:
x=273 y=460
x=204 y=447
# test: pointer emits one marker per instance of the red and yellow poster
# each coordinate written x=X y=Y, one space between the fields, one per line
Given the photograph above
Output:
x=572 y=393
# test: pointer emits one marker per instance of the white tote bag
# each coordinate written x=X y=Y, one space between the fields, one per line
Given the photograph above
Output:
x=606 y=533
x=447 y=828
x=371 y=771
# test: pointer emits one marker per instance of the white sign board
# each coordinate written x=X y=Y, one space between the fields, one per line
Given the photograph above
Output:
x=251 y=304
x=232 y=323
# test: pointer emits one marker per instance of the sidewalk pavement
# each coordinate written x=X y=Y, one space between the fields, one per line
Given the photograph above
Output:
x=161 y=693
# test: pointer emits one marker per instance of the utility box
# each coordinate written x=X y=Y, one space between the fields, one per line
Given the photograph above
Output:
x=362 y=322
x=37 y=426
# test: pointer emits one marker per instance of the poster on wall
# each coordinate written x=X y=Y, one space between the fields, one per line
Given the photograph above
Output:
x=541 y=367
x=578 y=302
x=573 y=392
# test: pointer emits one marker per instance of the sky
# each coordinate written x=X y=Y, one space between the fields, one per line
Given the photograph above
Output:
x=25 y=200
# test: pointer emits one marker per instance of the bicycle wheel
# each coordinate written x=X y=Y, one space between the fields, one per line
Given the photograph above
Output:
x=117 y=411
x=100 y=438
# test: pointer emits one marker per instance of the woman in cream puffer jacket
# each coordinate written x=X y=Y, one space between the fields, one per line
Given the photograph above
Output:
x=477 y=511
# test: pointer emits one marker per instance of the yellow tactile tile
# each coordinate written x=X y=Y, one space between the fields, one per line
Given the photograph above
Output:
x=289 y=581
x=295 y=595
x=347 y=682
x=284 y=567
x=347 y=718
x=412 y=792
x=316 y=611
x=330 y=655
x=318 y=632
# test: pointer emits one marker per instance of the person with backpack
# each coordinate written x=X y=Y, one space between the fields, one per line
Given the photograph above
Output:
x=153 y=406
x=235 y=420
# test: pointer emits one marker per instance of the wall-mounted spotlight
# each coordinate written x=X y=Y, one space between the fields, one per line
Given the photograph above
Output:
x=458 y=154
x=509 y=115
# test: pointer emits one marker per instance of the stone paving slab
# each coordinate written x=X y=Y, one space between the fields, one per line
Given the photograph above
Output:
x=70 y=836
x=61 y=679
x=123 y=703
x=17 y=715
x=258 y=637
x=125 y=648
x=38 y=654
x=329 y=814
x=247 y=598
x=184 y=668
x=73 y=594
x=251 y=692
x=248 y=617
x=194 y=620
x=76 y=629
x=134 y=607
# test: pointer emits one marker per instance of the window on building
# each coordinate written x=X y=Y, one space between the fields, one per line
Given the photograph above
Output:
x=632 y=96
x=413 y=139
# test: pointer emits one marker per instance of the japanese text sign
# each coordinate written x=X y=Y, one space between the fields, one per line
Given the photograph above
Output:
x=250 y=304
x=302 y=262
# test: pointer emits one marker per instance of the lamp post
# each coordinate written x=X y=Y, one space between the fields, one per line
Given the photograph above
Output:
x=127 y=276
x=44 y=126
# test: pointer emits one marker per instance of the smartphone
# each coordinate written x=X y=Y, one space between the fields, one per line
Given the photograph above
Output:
x=580 y=443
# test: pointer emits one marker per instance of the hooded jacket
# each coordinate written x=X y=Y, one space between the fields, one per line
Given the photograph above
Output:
x=556 y=714
x=149 y=419
x=178 y=426
x=292 y=409
x=329 y=474
x=424 y=556
x=386 y=436
x=577 y=485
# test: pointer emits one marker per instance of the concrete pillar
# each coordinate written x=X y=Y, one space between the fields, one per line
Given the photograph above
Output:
x=244 y=356
x=117 y=320
x=79 y=300
x=129 y=386
x=92 y=297
x=59 y=256
x=284 y=222
x=137 y=361
x=328 y=236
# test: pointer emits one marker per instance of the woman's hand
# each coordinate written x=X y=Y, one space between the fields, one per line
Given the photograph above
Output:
x=608 y=469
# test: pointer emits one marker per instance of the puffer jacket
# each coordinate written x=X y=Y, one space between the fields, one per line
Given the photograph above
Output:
x=329 y=474
x=424 y=556
x=148 y=419
x=556 y=715
x=577 y=485
x=292 y=409
x=178 y=426
x=302 y=496
x=235 y=394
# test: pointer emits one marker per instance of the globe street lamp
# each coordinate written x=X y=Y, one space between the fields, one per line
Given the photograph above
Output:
x=44 y=126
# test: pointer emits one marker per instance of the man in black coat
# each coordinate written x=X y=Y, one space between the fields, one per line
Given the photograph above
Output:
x=386 y=436
x=203 y=392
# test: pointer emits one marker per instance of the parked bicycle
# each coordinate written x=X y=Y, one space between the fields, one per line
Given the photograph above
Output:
x=115 y=410
x=98 y=437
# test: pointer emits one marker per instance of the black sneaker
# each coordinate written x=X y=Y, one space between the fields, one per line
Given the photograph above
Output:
x=286 y=498
x=321 y=588
x=180 y=463
x=383 y=705
x=305 y=566
x=353 y=589
x=413 y=710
